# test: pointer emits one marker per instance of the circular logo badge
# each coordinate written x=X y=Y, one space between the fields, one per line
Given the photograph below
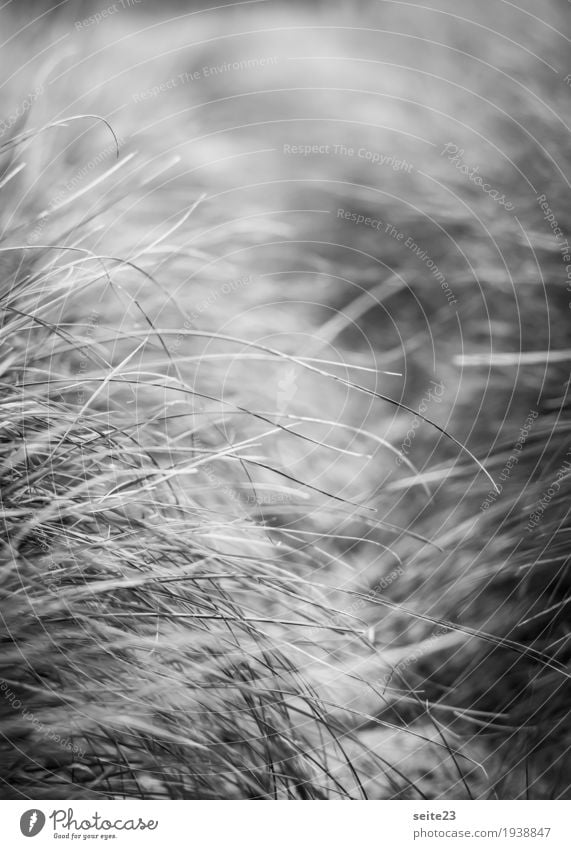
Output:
x=32 y=822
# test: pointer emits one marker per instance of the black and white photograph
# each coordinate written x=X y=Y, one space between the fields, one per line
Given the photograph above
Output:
x=285 y=432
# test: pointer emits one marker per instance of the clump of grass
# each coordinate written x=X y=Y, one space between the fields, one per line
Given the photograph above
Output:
x=152 y=630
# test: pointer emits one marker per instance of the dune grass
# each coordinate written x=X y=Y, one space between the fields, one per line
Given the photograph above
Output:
x=226 y=573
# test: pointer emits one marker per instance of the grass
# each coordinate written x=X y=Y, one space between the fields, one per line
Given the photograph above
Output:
x=216 y=580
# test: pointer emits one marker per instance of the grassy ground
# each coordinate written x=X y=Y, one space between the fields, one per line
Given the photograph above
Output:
x=284 y=424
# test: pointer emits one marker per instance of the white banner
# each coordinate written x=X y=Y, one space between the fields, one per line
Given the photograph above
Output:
x=285 y=825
